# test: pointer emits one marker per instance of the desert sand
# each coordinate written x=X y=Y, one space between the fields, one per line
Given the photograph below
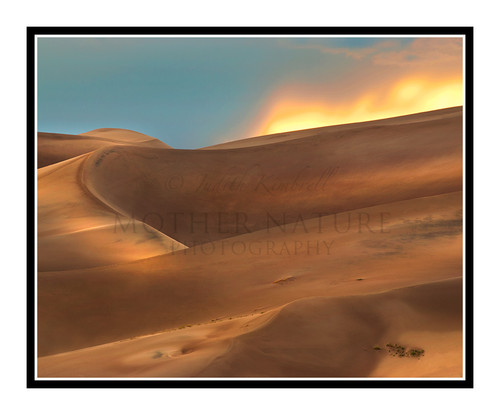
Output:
x=53 y=148
x=316 y=253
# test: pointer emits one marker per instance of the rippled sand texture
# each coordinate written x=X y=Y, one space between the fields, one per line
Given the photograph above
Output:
x=329 y=252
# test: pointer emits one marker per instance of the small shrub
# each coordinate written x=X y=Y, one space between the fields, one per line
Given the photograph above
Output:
x=400 y=351
x=418 y=353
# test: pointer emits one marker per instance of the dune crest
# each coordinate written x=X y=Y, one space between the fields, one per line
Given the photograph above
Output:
x=197 y=196
x=54 y=148
x=311 y=132
x=314 y=337
x=421 y=242
x=297 y=254
x=122 y=135
x=78 y=230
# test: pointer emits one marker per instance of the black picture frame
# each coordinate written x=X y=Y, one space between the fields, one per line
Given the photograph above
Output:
x=33 y=382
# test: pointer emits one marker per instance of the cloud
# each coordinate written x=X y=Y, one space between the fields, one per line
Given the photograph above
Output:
x=409 y=95
x=420 y=51
x=354 y=52
x=423 y=51
x=384 y=79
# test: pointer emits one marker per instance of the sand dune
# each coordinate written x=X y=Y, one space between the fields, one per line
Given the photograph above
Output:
x=420 y=242
x=314 y=337
x=77 y=230
x=341 y=336
x=197 y=196
x=54 y=148
x=318 y=229
x=312 y=132
x=123 y=135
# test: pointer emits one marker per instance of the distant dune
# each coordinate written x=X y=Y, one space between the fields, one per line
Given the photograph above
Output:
x=122 y=135
x=325 y=173
x=53 y=148
x=295 y=254
x=314 y=337
x=76 y=229
x=311 y=132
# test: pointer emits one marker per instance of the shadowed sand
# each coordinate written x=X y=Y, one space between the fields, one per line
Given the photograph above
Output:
x=218 y=280
x=320 y=229
x=53 y=148
x=314 y=337
x=77 y=230
x=312 y=132
x=326 y=173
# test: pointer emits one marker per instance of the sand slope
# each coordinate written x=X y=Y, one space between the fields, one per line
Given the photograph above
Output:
x=77 y=230
x=197 y=196
x=245 y=241
x=314 y=337
x=53 y=148
x=311 y=132
x=421 y=242
x=123 y=135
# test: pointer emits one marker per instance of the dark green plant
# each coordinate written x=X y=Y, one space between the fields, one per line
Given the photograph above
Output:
x=400 y=351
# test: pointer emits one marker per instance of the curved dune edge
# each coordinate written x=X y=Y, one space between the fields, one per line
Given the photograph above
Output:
x=421 y=242
x=77 y=230
x=311 y=132
x=122 y=135
x=102 y=281
x=53 y=148
x=312 y=337
x=328 y=173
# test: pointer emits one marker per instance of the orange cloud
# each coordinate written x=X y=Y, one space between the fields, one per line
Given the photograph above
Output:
x=410 y=95
x=425 y=75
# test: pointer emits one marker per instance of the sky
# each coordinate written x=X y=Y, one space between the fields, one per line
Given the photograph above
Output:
x=199 y=91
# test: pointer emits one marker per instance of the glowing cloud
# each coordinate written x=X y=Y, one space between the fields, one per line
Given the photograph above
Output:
x=405 y=97
x=425 y=76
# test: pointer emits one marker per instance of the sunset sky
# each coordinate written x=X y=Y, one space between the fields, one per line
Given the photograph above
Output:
x=194 y=92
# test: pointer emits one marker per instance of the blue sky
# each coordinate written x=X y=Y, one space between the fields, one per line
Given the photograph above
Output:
x=194 y=92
